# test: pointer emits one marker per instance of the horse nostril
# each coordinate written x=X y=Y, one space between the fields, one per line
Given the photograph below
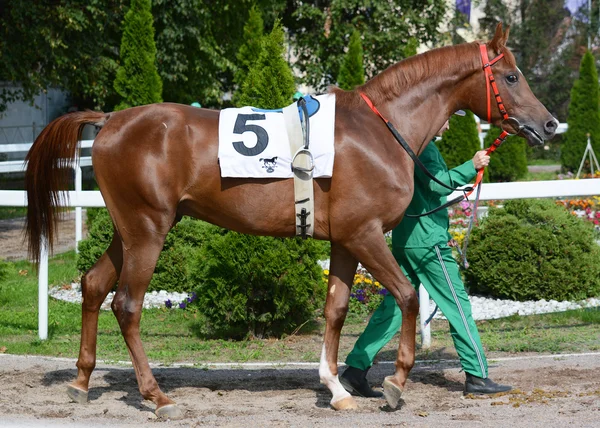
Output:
x=550 y=126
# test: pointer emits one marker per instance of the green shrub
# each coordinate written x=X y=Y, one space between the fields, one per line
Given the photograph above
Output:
x=352 y=71
x=584 y=117
x=509 y=161
x=258 y=286
x=534 y=249
x=172 y=272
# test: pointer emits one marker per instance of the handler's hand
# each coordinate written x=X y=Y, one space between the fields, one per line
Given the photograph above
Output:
x=481 y=159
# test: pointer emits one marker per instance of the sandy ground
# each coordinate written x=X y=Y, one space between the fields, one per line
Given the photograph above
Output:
x=13 y=247
x=553 y=392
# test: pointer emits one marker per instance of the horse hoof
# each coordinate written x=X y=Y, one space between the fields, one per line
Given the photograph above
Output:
x=347 y=403
x=392 y=392
x=77 y=395
x=170 y=411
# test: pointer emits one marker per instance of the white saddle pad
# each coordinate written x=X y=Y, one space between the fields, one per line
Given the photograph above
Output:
x=254 y=142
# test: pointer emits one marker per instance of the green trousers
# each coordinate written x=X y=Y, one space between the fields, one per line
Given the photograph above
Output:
x=437 y=270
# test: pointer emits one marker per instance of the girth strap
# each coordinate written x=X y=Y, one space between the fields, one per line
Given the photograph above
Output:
x=302 y=167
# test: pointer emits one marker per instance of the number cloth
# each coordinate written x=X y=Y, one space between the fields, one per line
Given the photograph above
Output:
x=254 y=142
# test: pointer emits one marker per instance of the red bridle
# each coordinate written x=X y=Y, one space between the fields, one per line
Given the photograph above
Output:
x=490 y=81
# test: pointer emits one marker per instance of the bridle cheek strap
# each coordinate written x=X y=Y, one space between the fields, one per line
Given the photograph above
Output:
x=490 y=81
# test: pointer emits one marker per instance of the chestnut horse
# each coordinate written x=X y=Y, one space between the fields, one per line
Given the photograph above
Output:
x=156 y=163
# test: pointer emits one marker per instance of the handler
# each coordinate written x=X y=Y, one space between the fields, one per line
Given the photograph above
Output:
x=421 y=247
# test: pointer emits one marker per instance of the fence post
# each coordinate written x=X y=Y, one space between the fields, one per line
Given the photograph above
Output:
x=78 y=211
x=43 y=292
x=423 y=315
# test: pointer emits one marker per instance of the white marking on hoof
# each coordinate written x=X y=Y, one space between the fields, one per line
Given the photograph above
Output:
x=165 y=125
x=77 y=395
x=392 y=392
x=332 y=289
x=331 y=381
x=170 y=411
x=347 y=403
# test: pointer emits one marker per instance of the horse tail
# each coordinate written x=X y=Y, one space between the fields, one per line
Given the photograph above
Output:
x=48 y=172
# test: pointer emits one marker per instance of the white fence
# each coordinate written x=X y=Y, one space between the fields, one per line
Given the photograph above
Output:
x=492 y=191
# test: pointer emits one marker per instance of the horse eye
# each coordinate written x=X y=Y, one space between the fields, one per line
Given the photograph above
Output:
x=512 y=78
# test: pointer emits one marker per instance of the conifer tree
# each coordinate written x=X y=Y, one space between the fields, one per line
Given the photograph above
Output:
x=509 y=161
x=461 y=141
x=270 y=82
x=583 y=117
x=137 y=79
x=352 y=72
x=250 y=50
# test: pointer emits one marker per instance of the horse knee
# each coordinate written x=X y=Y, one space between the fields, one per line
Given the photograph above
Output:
x=92 y=291
x=409 y=303
x=336 y=315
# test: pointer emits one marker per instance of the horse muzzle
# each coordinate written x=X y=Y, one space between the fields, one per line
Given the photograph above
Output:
x=533 y=137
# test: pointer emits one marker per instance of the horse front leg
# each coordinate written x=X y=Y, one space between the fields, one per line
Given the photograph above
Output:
x=341 y=275
x=370 y=248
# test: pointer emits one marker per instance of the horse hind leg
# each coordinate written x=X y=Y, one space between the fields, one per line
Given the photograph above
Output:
x=95 y=286
x=341 y=275
x=141 y=250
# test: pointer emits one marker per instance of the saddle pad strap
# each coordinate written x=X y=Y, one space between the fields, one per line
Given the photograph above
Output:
x=302 y=168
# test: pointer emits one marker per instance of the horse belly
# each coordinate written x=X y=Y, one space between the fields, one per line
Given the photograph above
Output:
x=259 y=207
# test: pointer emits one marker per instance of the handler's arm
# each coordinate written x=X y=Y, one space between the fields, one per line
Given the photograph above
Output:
x=456 y=177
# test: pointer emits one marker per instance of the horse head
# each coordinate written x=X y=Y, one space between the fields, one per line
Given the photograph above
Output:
x=510 y=104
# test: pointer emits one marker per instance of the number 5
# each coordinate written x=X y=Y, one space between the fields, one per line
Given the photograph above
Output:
x=262 y=138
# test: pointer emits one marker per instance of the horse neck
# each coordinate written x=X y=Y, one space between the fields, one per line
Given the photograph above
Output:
x=420 y=93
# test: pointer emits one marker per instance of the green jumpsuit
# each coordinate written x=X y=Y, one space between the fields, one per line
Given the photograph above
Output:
x=420 y=246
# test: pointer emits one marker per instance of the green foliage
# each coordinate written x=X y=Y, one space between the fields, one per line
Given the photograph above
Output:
x=172 y=272
x=190 y=57
x=258 y=286
x=584 y=116
x=391 y=31
x=68 y=44
x=509 y=161
x=352 y=72
x=534 y=249
x=250 y=51
x=137 y=79
x=270 y=82
x=460 y=142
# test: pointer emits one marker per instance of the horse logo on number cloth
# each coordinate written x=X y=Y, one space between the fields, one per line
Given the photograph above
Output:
x=269 y=164
x=255 y=142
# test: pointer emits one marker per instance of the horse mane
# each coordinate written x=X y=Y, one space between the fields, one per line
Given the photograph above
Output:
x=405 y=74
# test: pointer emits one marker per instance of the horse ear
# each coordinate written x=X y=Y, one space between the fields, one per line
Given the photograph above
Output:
x=500 y=37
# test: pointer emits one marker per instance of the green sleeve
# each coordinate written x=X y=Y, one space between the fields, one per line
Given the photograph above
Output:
x=434 y=162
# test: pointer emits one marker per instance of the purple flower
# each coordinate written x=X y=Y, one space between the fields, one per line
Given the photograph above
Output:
x=360 y=297
x=182 y=305
x=383 y=292
x=168 y=304
x=193 y=297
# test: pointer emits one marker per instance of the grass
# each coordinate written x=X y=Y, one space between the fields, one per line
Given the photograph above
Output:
x=12 y=212
x=540 y=176
x=170 y=335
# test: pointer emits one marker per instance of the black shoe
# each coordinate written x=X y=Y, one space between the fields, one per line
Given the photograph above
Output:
x=477 y=385
x=355 y=382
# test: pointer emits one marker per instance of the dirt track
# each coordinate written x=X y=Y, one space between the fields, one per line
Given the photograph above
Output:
x=556 y=392
x=13 y=247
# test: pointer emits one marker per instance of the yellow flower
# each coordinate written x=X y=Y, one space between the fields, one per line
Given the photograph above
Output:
x=378 y=284
x=325 y=271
